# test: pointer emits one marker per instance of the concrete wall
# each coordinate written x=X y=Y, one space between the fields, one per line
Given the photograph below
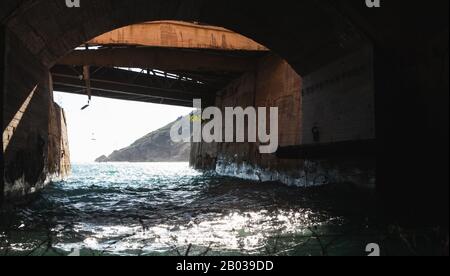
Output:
x=27 y=128
x=412 y=129
x=275 y=84
x=27 y=110
x=2 y=82
x=339 y=100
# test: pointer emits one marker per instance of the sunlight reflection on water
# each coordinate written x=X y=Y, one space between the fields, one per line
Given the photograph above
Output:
x=162 y=208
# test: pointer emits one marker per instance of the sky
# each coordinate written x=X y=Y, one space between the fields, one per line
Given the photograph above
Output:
x=108 y=124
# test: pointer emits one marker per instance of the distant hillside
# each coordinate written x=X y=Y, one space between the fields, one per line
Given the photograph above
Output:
x=153 y=147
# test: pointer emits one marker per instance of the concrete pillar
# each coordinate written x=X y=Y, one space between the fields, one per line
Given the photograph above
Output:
x=412 y=130
x=2 y=87
x=30 y=156
x=25 y=107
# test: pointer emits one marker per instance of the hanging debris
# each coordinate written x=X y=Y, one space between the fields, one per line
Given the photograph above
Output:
x=87 y=79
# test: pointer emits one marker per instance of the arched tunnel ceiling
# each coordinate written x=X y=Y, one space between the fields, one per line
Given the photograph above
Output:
x=178 y=34
x=307 y=33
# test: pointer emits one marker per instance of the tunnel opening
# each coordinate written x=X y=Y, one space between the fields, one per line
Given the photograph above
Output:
x=329 y=130
x=290 y=138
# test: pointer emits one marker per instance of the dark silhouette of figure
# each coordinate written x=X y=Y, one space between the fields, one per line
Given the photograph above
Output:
x=316 y=134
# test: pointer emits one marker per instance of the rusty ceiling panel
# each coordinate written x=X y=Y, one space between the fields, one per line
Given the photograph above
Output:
x=176 y=34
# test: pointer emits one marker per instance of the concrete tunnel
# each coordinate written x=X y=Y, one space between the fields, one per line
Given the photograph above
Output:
x=381 y=107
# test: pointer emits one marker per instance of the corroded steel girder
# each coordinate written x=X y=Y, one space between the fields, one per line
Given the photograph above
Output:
x=162 y=58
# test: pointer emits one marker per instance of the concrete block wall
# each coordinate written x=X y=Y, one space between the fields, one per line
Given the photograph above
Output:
x=275 y=84
x=339 y=100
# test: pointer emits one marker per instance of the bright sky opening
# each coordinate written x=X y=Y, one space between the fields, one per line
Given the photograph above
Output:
x=108 y=125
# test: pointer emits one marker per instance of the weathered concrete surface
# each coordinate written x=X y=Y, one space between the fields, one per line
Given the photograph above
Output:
x=339 y=100
x=275 y=84
x=24 y=156
x=28 y=118
x=59 y=166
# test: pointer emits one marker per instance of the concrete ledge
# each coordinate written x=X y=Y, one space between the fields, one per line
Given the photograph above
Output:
x=350 y=148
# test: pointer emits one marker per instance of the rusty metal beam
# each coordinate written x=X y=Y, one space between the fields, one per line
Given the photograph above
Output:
x=139 y=79
x=87 y=79
x=162 y=59
x=125 y=85
x=123 y=96
x=175 y=34
x=123 y=88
